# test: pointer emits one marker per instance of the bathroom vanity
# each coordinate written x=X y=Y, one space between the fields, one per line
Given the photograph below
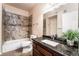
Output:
x=42 y=49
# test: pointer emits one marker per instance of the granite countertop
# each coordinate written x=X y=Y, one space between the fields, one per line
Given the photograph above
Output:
x=61 y=48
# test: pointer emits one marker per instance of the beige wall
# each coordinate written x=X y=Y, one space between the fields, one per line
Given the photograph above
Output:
x=15 y=10
x=0 y=26
x=37 y=20
x=59 y=11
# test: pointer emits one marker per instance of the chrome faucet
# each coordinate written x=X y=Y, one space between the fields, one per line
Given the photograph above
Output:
x=54 y=36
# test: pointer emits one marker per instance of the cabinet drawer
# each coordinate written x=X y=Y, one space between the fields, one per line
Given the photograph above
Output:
x=43 y=51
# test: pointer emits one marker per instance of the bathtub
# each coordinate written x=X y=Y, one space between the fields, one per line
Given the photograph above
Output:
x=15 y=44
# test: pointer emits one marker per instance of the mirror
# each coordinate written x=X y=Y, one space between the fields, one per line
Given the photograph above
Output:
x=50 y=25
x=60 y=20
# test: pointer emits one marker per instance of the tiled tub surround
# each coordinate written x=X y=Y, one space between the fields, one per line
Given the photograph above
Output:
x=15 y=26
x=16 y=33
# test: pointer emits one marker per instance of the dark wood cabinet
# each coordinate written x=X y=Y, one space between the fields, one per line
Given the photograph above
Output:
x=41 y=50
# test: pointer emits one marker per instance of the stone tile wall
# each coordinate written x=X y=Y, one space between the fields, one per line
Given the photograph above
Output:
x=14 y=26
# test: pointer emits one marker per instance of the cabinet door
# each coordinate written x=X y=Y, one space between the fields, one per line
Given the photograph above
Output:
x=35 y=50
x=43 y=51
x=36 y=53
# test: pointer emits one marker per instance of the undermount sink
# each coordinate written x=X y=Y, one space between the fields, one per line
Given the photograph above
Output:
x=49 y=42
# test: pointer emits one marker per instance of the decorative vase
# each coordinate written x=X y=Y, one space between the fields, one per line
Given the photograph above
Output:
x=70 y=42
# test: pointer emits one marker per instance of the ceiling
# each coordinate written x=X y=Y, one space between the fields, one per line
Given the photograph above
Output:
x=24 y=6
